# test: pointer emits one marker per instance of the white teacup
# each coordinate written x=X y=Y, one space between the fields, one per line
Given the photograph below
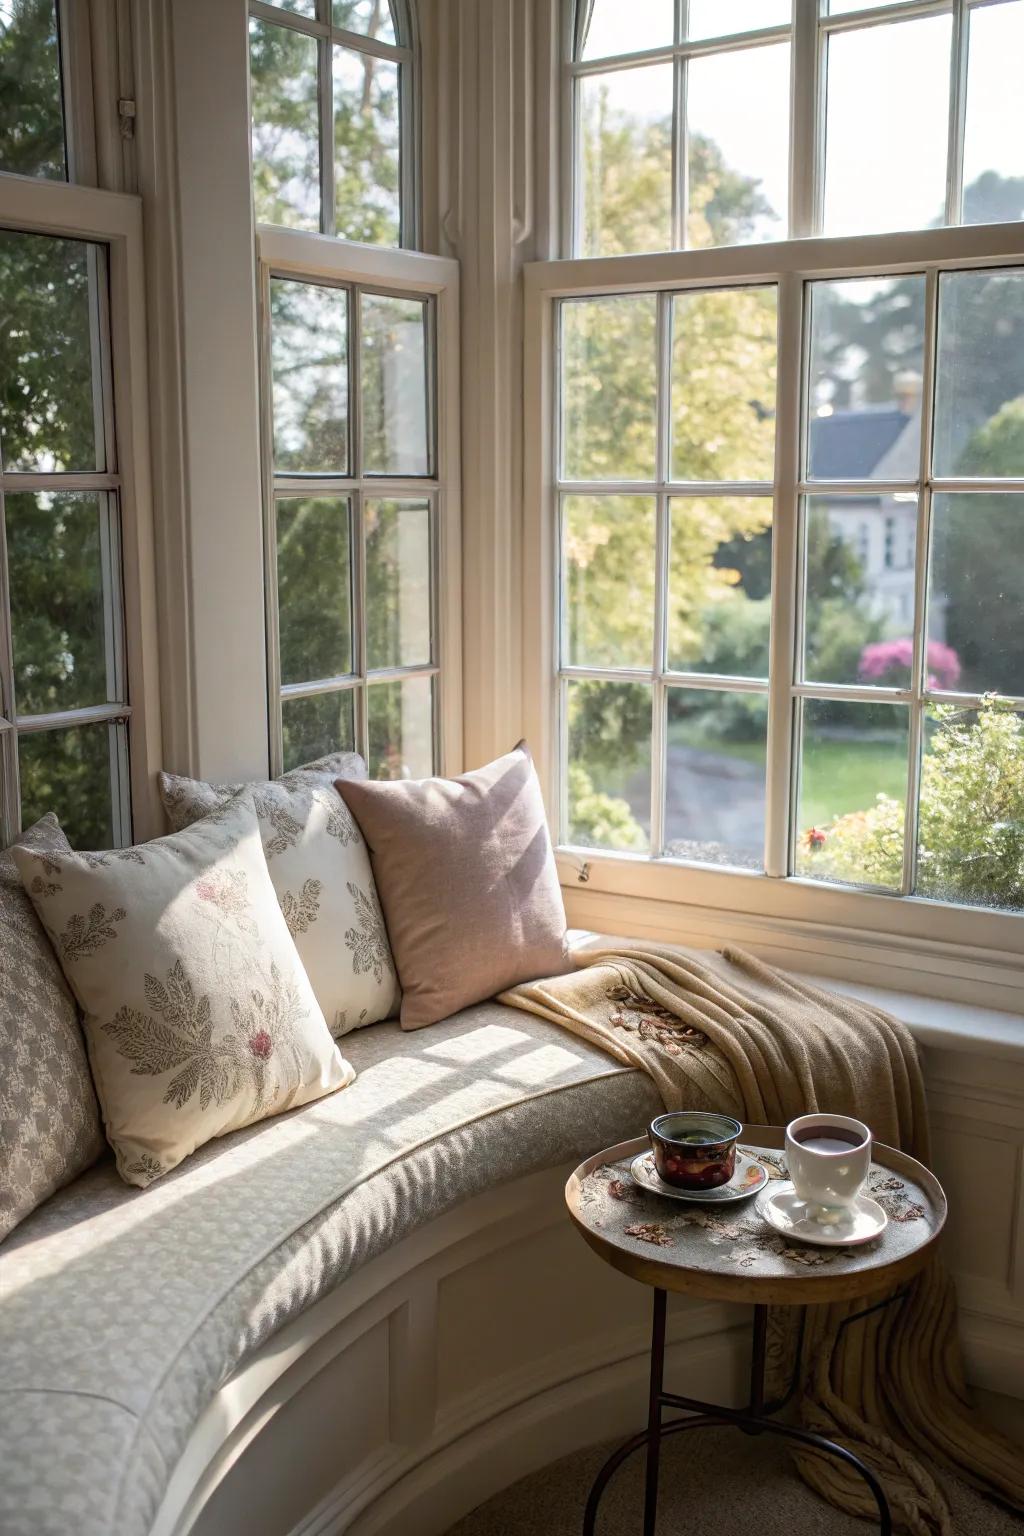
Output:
x=828 y=1157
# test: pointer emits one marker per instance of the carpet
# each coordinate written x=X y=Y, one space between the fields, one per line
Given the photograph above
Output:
x=716 y=1482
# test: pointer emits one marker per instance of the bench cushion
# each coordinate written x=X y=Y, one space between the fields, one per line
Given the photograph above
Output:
x=123 y=1311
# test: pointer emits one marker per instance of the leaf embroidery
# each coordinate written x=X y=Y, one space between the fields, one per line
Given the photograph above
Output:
x=180 y=1041
x=288 y=831
x=118 y=855
x=146 y=1167
x=302 y=911
x=85 y=935
x=341 y=1020
x=228 y=891
x=369 y=942
x=340 y=822
x=41 y=887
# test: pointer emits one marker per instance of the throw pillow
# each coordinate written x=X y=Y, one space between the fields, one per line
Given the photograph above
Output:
x=321 y=873
x=198 y=1015
x=49 y=1119
x=467 y=878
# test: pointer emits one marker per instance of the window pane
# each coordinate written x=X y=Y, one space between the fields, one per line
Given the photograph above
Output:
x=859 y=574
x=285 y=126
x=853 y=787
x=609 y=388
x=864 y=385
x=971 y=824
x=398 y=565
x=373 y=17
x=608 y=570
x=723 y=384
x=314 y=588
x=55 y=544
x=395 y=385
x=625 y=161
x=314 y=727
x=309 y=352
x=615 y=28
x=400 y=718
x=31 y=119
x=974 y=597
x=367 y=202
x=717 y=18
x=720 y=575
x=609 y=768
x=979 y=395
x=68 y=771
x=715 y=777
x=885 y=157
x=296 y=7
x=49 y=403
x=738 y=156
x=994 y=132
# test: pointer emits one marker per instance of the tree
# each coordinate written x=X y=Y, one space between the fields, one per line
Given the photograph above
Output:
x=31 y=119
x=286 y=149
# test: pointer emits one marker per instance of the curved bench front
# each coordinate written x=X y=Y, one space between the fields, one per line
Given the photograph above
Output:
x=123 y=1311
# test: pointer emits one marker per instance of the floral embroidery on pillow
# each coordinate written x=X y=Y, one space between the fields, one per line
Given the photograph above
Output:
x=181 y=1039
x=287 y=831
x=301 y=911
x=228 y=891
x=369 y=942
x=84 y=935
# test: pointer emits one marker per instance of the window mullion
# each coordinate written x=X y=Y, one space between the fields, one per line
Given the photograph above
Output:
x=785 y=548
x=919 y=677
x=957 y=112
x=806 y=80
x=663 y=449
x=680 y=132
x=10 y=789
x=325 y=50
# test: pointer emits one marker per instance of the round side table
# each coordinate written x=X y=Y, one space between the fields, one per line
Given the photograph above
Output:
x=728 y=1252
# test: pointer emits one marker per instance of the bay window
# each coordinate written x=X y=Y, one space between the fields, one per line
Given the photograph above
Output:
x=774 y=485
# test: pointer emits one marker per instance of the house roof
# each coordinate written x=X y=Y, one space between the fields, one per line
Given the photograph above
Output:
x=849 y=445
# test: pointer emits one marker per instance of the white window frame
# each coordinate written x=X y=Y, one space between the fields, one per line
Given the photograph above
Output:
x=809 y=34
x=957 y=946
x=402 y=53
x=64 y=209
x=295 y=254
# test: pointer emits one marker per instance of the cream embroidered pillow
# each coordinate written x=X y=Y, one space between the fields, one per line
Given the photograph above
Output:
x=321 y=872
x=198 y=1016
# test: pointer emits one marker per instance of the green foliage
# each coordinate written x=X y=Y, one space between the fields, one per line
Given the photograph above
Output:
x=971 y=826
x=978 y=559
x=286 y=149
x=599 y=820
x=31 y=116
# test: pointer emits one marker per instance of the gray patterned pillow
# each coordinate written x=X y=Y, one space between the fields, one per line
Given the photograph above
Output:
x=321 y=872
x=49 y=1116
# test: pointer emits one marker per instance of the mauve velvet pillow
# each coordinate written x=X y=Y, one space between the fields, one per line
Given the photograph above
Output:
x=467 y=880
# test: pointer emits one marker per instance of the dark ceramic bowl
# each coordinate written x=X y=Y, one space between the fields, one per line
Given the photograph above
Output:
x=694 y=1149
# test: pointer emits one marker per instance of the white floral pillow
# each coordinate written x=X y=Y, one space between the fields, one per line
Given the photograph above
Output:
x=198 y=1015
x=321 y=873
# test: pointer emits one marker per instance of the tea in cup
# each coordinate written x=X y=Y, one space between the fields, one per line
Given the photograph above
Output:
x=828 y=1157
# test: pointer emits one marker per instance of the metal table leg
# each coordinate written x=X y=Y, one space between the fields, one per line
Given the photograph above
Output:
x=757 y=1418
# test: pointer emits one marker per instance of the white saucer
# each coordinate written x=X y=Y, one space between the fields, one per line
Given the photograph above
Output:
x=787 y=1213
x=750 y=1176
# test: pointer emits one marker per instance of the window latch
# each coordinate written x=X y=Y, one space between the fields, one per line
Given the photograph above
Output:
x=126 y=117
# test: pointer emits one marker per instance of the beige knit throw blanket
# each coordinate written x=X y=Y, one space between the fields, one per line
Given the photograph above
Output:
x=726 y=1032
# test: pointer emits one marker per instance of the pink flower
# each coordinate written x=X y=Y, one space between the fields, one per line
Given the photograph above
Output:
x=814 y=838
x=879 y=661
x=207 y=890
x=261 y=1045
